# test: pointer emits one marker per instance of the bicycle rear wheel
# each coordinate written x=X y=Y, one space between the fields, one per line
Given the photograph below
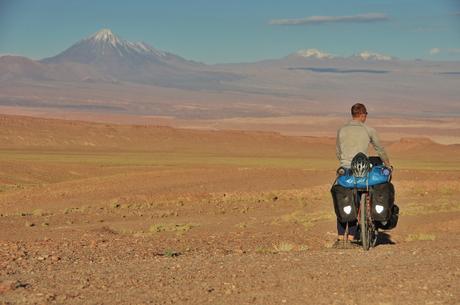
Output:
x=363 y=223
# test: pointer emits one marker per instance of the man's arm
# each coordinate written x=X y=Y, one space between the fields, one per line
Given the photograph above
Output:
x=338 y=151
x=374 y=139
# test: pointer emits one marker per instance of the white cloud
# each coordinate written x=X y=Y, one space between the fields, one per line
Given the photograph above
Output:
x=369 y=17
x=435 y=51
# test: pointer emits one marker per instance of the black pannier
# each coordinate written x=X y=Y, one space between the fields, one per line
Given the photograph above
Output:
x=383 y=197
x=393 y=221
x=344 y=205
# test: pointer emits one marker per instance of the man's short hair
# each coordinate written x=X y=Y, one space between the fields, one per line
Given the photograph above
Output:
x=358 y=109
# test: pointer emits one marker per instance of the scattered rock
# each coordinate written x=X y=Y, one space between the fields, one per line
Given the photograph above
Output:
x=55 y=258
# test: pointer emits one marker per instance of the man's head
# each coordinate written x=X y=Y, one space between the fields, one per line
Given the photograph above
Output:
x=359 y=112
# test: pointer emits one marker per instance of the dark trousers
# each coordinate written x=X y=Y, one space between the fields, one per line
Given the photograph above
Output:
x=352 y=227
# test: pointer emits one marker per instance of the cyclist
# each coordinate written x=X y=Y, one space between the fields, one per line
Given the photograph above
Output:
x=352 y=138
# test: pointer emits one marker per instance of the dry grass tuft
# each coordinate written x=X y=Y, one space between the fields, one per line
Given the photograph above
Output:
x=420 y=236
x=283 y=247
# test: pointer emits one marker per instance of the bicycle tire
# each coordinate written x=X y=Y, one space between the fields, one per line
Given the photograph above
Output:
x=363 y=223
x=373 y=232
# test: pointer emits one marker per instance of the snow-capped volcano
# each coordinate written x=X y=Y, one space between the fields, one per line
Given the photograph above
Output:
x=105 y=56
x=106 y=37
x=104 y=47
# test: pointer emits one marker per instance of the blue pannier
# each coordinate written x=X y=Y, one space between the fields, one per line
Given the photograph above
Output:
x=378 y=175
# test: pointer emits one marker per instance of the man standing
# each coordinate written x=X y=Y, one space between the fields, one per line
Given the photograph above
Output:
x=352 y=138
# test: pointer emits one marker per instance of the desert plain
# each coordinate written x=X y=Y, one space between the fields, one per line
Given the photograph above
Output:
x=217 y=213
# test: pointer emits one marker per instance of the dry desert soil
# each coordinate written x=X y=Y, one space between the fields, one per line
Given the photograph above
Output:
x=95 y=213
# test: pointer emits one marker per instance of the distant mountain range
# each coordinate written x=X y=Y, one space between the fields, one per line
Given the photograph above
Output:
x=95 y=72
x=364 y=55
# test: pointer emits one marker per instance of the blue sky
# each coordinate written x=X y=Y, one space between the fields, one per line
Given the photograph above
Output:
x=214 y=31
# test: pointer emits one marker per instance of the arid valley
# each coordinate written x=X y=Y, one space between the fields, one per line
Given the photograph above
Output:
x=102 y=213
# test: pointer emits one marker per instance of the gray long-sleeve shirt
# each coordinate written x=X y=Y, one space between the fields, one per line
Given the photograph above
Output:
x=355 y=137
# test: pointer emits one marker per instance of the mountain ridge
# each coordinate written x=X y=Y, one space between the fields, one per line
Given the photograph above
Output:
x=156 y=82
